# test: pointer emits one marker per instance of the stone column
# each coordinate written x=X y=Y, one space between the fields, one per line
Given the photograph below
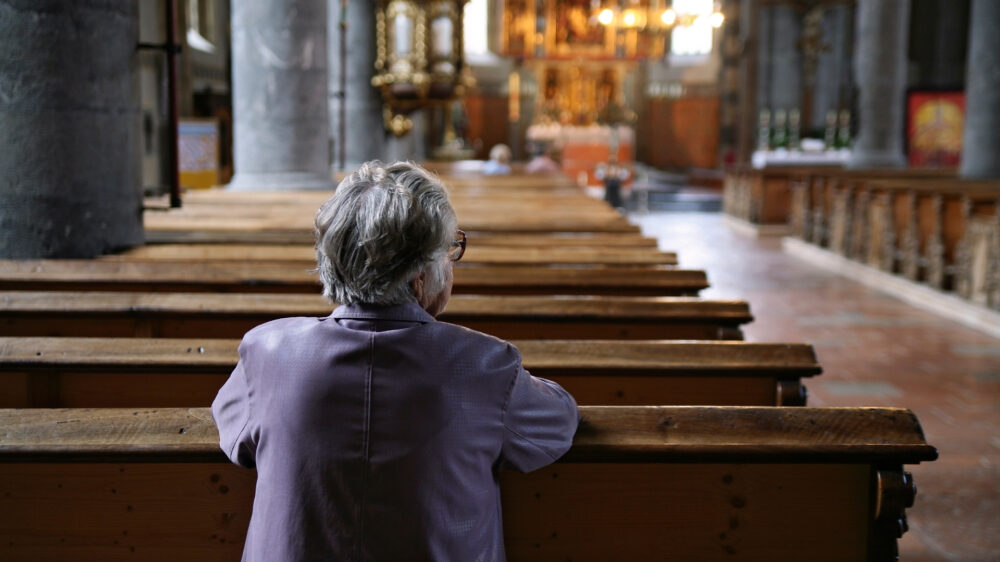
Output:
x=70 y=177
x=281 y=129
x=981 y=140
x=880 y=73
x=833 y=86
x=365 y=137
x=786 y=60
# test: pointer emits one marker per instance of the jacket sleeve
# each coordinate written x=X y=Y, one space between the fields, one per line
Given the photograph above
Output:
x=232 y=414
x=539 y=422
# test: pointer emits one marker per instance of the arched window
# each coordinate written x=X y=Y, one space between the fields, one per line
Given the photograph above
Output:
x=201 y=25
x=475 y=33
x=694 y=39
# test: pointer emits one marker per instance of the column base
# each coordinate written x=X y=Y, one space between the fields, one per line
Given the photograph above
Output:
x=876 y=159
x=280 y=181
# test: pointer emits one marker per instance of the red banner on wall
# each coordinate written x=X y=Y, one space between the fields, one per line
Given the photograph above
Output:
x=935 y=121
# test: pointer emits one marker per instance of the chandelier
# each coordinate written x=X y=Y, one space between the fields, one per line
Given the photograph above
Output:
x=654 y=16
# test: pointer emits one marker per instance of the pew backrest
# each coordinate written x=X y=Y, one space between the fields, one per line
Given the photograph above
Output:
x=144 y=372
x=819 y=484
x=130 y=314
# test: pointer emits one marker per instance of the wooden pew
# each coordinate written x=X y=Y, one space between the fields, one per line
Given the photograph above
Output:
x=502 y=219
x=142 y=372
x=302 y=206
x=207 y=315
x=261 y=277
x=208 y=235
x=305 y=256
x=640 y=483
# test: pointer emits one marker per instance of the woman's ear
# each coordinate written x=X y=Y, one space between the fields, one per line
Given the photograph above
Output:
x=417 y=284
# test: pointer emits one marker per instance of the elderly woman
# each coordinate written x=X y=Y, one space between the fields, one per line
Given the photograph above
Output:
x=377 y=432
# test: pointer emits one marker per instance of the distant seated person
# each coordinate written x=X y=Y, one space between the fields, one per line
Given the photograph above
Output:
x=614 y=176
x=378 y=432
x=544 y=162
x=499 y=162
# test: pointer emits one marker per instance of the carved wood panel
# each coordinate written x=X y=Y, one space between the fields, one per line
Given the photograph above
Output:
x=977 y=267
x=799 y=219
x=934 y=249
x=859 y=229
x=840 y=220
x=882 y=235
x=910 y=243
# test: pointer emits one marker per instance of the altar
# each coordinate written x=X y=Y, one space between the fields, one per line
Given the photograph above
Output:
x=583 y=148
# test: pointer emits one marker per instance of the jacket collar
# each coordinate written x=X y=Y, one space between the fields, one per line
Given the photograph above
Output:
x=405 y=312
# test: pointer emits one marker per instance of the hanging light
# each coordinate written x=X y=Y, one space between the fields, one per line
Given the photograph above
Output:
x=419 y=60
x=671 y=17
x=606 y=17
x=630 y=19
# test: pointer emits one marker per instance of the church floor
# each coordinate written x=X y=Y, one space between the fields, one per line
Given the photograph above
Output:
x=875 y=351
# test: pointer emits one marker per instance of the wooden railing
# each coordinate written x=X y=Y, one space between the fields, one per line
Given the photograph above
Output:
x=943 y=232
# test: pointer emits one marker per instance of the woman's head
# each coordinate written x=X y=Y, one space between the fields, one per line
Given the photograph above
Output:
x=500 y=153
x=384 y=234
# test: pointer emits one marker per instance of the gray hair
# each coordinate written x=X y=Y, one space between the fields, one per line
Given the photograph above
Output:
x=383 y=226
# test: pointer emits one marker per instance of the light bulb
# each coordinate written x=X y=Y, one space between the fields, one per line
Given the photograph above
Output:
x=606 y=17
x=629 y=18
x=669 y=17
x=716 y=19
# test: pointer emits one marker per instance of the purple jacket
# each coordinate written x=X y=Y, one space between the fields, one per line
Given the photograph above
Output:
x=378 y=432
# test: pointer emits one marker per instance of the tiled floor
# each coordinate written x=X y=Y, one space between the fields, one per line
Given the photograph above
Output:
x=875 y=351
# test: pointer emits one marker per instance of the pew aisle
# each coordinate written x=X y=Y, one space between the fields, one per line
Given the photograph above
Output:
x=767 y=459
x=875 y=350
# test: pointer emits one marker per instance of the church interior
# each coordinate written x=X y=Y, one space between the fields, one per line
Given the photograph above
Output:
x=758 y=240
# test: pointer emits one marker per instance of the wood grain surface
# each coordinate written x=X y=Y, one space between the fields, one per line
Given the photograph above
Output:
x=131 y=314
x=606 y=434
x=229 y=276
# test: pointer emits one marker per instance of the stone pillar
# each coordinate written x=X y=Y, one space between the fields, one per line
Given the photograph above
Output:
x=833 y=87
x=70 y=177
x=365 y=137
x=880 y=73
x=281 y=129
x=981 y=140
x=786 y=59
